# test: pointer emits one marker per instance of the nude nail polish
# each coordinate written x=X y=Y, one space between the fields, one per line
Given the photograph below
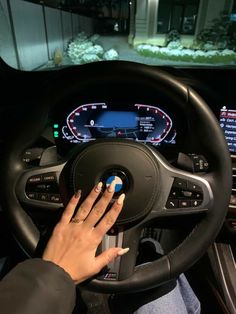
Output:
x=120 y=199
x=111 y=187
x=98 y=187
x=123 y=251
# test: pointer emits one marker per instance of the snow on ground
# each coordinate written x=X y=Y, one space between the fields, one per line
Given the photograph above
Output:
x=113 y=47
x=128 y=53
x=174 y=52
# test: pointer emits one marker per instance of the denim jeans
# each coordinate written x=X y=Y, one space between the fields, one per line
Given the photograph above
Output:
x=181 y=300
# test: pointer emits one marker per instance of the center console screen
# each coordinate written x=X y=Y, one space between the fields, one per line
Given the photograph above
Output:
x=228 y=124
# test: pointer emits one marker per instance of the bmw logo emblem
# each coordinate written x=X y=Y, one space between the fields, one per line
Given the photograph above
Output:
x=121 y=180
x=118 y=181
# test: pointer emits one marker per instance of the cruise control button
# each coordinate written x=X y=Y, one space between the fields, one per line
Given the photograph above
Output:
x=49 y=177
x=35 y=179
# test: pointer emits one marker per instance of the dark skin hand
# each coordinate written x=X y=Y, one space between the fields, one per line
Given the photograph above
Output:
x=75 y=238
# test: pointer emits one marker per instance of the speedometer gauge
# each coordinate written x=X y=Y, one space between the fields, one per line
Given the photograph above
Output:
x=139 y=122
x=80 y=120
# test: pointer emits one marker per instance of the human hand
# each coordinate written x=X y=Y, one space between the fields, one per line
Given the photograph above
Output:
x=75 y=238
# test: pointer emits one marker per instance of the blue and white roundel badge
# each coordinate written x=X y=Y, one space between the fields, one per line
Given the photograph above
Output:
x=119 y=183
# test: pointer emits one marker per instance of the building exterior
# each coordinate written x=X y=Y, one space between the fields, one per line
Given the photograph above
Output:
x=152 y=20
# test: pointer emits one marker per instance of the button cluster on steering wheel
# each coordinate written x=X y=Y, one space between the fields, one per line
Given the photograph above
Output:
x=43 y=187
x=184 y=194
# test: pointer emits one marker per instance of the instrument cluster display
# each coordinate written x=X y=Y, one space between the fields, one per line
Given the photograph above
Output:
x=139 y=122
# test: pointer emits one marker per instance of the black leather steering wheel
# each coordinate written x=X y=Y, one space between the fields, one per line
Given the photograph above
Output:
x=149 y=177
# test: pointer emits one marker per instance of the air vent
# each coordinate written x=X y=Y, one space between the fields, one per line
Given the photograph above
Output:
x=233 y=195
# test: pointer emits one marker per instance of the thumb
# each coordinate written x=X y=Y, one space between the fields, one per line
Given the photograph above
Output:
x=109 y=255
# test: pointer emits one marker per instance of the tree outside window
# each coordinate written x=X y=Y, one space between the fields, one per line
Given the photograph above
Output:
x=180 y=15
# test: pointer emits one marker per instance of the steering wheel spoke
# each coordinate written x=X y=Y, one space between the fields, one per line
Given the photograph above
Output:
x=122 y=267
x=182 y=193
x=39 y=187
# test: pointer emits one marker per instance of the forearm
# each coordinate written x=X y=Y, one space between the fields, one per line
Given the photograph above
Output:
x=36 y=286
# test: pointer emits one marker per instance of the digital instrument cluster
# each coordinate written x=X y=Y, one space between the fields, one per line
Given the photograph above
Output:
x=140 y=122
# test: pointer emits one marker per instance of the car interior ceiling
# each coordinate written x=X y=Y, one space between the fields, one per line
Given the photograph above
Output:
x=213 y=276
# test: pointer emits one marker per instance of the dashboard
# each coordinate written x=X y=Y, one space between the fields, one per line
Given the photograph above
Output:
x=159 y=126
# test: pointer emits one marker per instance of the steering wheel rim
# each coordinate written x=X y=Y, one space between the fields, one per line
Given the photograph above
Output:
x=213 y=144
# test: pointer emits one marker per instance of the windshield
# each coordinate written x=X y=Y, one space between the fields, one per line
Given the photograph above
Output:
x=49 y=34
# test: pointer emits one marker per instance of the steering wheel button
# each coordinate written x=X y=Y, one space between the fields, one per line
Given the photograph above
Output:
x=55 y=198
x=32 y=195
x=187 y=193
x=196 y=203
x=233 y=200
x=174 y=193
x=180 y=183
x=171 y=203
x=49 y=177
x=194 y=187
x=41 y=187
x=35 y=179
x=43 y=197
x=198 y=196
x=184 y=203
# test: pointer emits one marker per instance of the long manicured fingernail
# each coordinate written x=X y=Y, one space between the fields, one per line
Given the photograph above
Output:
x=111 y=187
x=78 y=194
x=123 y=251
x=98 y=188
x=120 y=199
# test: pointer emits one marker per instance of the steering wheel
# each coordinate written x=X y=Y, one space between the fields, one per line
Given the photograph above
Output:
x=148 y=178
